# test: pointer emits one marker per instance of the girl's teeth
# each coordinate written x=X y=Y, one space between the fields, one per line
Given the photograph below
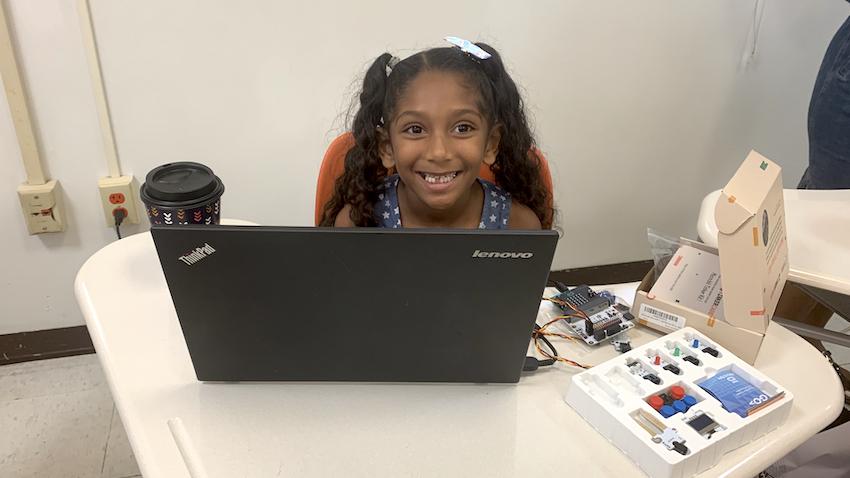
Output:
x=444 y=178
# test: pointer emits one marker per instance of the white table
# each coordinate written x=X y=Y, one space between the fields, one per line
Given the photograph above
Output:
x=818 y=234
x=367 y=429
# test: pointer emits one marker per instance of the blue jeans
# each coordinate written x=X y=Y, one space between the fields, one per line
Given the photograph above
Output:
x=829 y=119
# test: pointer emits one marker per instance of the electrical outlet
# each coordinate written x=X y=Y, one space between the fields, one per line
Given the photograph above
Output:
x=118 y=193
x=41 y=205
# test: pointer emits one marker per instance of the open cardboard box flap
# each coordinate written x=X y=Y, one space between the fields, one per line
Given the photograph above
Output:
x=743 y=196
x=753 y=249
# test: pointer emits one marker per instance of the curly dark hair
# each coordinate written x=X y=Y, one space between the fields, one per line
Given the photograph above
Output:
x=517 y=167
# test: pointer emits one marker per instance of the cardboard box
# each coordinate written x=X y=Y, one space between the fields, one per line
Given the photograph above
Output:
x=753 y=250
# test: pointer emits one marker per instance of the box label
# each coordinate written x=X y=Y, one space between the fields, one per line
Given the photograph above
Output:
x=661 y=318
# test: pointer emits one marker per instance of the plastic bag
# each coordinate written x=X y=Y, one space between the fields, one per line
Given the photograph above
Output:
x=662 y=248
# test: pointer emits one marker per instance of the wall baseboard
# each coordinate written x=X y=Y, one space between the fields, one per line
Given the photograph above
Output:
x=607 y=274
x=69 y=341
x=44 y=344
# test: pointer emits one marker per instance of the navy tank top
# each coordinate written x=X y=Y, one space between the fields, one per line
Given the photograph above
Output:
x=494 y=214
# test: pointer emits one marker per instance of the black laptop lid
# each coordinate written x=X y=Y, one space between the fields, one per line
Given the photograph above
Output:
x=273 y=303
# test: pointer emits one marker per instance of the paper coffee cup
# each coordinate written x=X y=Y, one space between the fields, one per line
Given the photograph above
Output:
x=182 y=193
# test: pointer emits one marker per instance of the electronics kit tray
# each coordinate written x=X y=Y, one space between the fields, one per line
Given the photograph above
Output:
x=660 y=403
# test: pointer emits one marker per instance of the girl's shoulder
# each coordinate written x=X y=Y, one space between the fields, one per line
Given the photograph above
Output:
x=522 y=217
x=519 y=216
x=343 y=217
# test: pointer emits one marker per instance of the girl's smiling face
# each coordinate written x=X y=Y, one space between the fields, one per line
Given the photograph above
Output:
x=437 y=140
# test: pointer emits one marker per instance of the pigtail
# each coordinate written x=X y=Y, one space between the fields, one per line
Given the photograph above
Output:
x=517 y=168
x=364 y=173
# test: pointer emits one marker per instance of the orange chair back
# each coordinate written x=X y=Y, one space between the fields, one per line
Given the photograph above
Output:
x=333 y=165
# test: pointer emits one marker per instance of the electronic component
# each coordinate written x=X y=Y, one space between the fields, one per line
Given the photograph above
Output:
x=672 y=401
x=704 y=424
x=637 y=368
x=660 y=359
x=673 y=369
x=609 y=322
x=691 y=359
x=698 y=343
x=660 y=433
x=622 y=345
x=736 y=394
x=584 y=299
x=592 y=316
x=595 y=317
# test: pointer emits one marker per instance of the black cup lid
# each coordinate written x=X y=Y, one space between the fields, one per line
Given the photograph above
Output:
x=183 y=181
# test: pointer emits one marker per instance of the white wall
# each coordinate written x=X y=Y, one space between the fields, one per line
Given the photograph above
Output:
x=640 y=106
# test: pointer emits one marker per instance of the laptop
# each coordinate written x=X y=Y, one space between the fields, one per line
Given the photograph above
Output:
x=259 y=303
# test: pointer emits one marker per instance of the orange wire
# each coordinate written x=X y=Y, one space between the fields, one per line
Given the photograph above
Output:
x=541 y=332
x=566 y=304
x=559 y=359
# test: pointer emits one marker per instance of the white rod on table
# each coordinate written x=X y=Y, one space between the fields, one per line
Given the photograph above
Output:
x=187 y=451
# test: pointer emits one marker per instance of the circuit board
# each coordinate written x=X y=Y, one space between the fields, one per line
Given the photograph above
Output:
x=606 y=318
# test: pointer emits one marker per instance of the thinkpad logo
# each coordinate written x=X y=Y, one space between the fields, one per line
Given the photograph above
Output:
x=198 y=254
x=503 y=255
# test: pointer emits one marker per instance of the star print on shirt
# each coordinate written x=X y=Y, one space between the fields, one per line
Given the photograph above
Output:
x=388 y=213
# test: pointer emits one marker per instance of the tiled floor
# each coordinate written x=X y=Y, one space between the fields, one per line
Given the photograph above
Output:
x=57 y=419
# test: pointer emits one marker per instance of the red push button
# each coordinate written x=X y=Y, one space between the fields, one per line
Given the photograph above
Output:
x=656 y=402
x=677 y=392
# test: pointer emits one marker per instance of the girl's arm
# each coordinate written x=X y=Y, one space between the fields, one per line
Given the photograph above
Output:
x=343 y=219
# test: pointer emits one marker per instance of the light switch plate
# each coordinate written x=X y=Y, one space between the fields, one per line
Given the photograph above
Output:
x=42 y=207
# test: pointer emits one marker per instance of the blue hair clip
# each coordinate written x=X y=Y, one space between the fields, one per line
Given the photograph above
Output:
x=468 y=47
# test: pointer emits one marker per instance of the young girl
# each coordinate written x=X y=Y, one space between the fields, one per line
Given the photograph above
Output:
x=425 y=126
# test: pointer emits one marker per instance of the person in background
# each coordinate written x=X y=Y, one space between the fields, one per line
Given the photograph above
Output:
x=829 y=168
x=829 y=118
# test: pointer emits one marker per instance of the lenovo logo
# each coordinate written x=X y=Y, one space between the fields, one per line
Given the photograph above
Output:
x=198 y=254
x=503 y=255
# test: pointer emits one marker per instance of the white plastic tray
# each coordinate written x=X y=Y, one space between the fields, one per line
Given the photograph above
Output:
x=609 y=396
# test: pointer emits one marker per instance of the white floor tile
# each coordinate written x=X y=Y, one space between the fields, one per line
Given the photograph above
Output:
x=50 y=377
x=58 y=436
x=120 y=461
x=57 y=419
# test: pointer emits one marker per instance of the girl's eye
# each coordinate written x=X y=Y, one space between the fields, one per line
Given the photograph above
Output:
x=464 y=128
x=413 y=129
